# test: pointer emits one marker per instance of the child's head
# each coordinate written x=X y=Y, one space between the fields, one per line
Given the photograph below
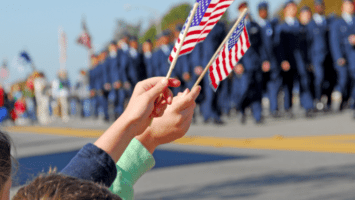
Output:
x=5 y=166
x=60 y=187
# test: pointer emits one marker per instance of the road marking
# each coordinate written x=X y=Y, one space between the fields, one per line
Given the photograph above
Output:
x=84 y=133
x=329 y=144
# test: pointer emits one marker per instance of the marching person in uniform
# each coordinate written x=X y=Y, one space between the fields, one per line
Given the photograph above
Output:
x=305 y=18
x=196 y=69
x=342 y=43
x=136 y=69
x=125 y=86
x=106 y=78
x=249 y=87
x=182 y=67
x=209 y=106
x=114 y=75
x=318 y=31
x=101 y=82
x=293 y=63
x=162 y=54
x=148 y=58
x=271 y=70
x=92 y=80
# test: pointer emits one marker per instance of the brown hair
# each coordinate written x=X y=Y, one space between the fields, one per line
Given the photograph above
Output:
x=5 y=160
x=61 y=187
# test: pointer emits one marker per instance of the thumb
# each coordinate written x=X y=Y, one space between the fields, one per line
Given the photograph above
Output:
x=157 y=89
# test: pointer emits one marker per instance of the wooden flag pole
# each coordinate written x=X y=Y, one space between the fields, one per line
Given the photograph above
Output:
x=220 y=47
x=172 y=66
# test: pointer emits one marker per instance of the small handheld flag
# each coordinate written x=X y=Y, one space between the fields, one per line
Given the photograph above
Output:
x=208 y=14
x=231 y=53
x=185 y=31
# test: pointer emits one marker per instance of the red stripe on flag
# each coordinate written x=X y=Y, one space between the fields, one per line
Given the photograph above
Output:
x=213 y=80
x=171 y=58
x=230 y=61
x=246 y=37
x=224 y=61
x=236 y=52
x=241 y=46
x=218 y=69
x=186 y=50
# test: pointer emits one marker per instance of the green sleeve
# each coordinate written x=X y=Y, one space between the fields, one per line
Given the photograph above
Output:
x=135 y=161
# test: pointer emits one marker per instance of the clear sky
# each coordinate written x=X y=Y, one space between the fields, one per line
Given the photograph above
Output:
x=33 y=26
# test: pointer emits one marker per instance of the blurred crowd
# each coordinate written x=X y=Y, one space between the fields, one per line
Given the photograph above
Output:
x=36 y=100
x=308 y=55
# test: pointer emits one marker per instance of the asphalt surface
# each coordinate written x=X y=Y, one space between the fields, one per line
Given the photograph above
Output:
x=188 y=171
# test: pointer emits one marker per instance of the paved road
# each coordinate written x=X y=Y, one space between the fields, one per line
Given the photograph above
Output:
x=288 y=164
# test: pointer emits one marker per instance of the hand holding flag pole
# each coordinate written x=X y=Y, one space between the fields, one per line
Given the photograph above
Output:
x=192 y=15
x=220 y=47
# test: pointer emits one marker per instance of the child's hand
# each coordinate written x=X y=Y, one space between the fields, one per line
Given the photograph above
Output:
x=174 y=123
x=149 y=100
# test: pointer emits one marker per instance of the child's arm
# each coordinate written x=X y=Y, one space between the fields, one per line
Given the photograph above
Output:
x=137 y=158
x=96 y=162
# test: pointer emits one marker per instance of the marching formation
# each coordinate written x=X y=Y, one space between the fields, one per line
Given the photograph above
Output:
x=309 y=53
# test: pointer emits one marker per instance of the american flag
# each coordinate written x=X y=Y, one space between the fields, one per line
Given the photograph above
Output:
x=208 y=14
x=85 y=40
x=229 y=56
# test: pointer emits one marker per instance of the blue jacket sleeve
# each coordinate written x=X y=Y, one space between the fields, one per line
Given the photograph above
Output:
x=92 y=164
x=123 y=67
x=279 y=44
x=114 y=70
x=335 y=41
x=105 y=72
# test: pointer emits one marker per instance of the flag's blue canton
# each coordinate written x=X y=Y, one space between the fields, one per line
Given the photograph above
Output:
x=201 y=10
x=236 y=34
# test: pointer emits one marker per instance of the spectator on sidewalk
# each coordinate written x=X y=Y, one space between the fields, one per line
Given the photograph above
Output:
x=40 y=87
x=60 y=92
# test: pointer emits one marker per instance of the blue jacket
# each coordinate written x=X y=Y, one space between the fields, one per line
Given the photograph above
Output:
x=92 y=79
x=106 y=72
x=161 y=61
x=268 y=40
x=148 y=62
x=256 y=54
x=123 y=57
x=212 y=42
x=182 y=66
x=99 y=77
x=114 y=69
x=339 y=43
x=136 y=68
x=318 y=39
x=288 y=39
x=92 y=164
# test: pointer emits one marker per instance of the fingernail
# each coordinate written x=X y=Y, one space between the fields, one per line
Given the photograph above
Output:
x=186 y=91
x=199 y=88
